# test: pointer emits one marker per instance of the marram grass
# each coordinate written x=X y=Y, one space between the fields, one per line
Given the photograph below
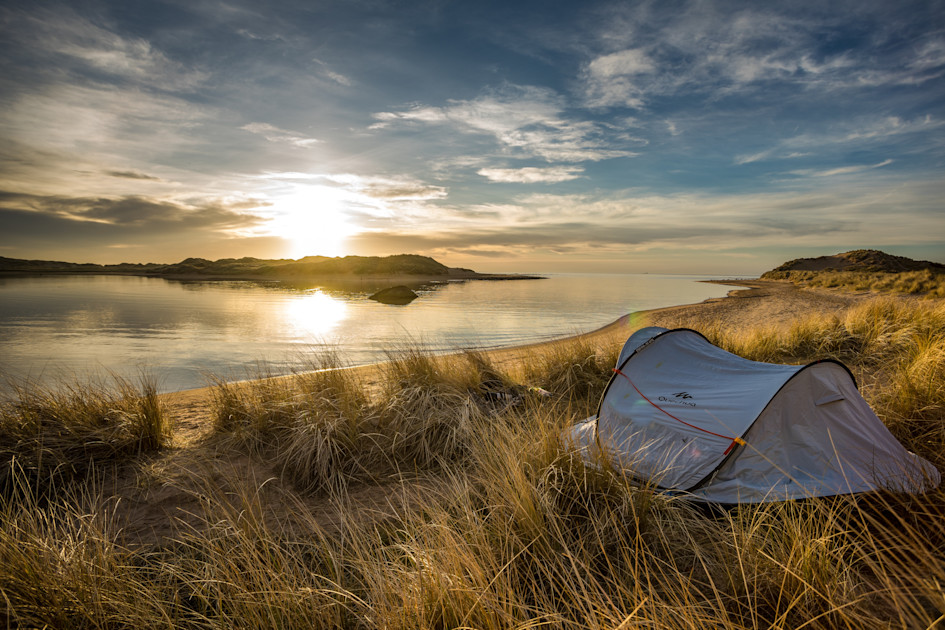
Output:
x=927 y=282
x=517 y=532
x=56 y=435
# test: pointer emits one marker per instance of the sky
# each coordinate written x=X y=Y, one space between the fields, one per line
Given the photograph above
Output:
x=662 y=137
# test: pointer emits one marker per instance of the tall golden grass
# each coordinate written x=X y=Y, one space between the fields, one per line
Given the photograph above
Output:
x=55 y=435
x=926 y=282
x=518 y=532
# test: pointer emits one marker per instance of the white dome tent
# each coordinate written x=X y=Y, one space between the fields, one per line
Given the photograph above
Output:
x=690 y=417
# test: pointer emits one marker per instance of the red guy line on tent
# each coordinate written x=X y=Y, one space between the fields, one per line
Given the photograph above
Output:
x=735 y=440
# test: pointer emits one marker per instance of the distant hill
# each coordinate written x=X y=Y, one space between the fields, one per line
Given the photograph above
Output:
x=861 y=260
x=398 y=265
x=57 y=266
x=401 y=264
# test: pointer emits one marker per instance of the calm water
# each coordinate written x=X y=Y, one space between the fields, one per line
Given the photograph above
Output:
x=55 y=327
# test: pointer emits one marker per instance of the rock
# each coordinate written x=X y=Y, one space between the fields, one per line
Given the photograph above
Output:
x=395 y=295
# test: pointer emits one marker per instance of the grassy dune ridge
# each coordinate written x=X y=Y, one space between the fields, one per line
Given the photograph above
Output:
x=513 y=531
x=926 y=282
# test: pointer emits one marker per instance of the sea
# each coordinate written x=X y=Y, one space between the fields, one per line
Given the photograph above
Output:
x=65 y=329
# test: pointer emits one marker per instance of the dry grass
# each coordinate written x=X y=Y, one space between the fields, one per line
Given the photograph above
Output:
x=926 y=282
x=55 y=436
x=520 y=532
x=328 y=433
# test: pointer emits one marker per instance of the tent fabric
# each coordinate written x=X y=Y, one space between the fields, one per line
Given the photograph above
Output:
x=688 y=416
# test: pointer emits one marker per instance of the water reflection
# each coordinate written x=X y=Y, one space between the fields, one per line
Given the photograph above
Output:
x=315 y=314
x=182 y=331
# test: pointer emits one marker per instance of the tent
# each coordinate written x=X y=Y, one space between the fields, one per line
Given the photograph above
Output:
x=690 y=417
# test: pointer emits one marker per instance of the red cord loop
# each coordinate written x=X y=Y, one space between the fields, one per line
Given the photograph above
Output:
x=735 y=440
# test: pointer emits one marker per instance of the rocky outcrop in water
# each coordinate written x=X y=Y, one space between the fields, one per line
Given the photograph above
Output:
x=395 y=295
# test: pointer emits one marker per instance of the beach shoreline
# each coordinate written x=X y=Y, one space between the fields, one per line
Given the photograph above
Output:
x=190 y=404
x=773 y=303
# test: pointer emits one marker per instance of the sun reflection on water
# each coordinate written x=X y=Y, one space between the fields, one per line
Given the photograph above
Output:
x=316 y=313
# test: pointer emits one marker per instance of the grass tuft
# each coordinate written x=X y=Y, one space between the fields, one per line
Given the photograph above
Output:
x=328 y=432
x=56 y=436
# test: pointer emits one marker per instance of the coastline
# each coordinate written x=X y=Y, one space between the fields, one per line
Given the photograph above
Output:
x=752 y=301
x=532 y=329
x=191 y=401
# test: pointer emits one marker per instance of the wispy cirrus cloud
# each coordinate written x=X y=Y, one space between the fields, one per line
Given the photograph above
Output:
x=526 y=121
x=859 y=132
x=275 y=134
x=843 y=170
x=74 y=44
x=712 y=51
x=55 y=137
x=532 y=175
x=390 y=188
x=337 y=77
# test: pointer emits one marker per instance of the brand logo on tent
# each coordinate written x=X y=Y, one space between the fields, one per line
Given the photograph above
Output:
x=679 y=398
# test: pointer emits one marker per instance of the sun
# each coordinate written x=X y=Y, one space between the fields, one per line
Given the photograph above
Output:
x=312 y=220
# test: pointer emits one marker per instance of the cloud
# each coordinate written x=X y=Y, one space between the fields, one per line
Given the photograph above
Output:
x=651 y=51
x=613 y=78
x=526 y=121
x=133 y=175
x=749 y=158
x=404 y=189
x=532 y=175
x=130 y=214
x=275 y=134
x=73 y=43
x=486 y=253
x=100 y=119
x=844 y=170
x=268 y=37
x=860 y=131
x=498 y=112
x=850 y=213
x=624 y=63
x=52 y=236
x=337 y=77
x=877 y=129
x=73 y=139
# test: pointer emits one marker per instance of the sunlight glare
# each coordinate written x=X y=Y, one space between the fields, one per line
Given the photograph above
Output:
x=311 y=219
x=315 y=314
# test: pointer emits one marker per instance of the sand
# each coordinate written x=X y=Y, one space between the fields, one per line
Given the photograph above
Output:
x=166 y=493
